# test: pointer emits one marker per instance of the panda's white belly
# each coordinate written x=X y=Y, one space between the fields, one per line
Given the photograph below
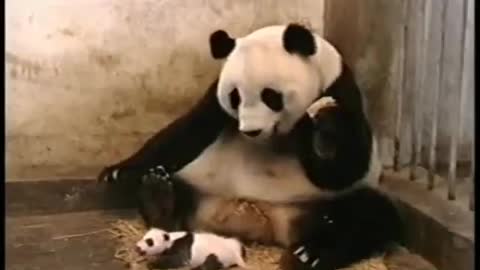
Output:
x=235 y=167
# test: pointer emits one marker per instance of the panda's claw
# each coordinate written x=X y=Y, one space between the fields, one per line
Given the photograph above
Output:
x=115 y=174
x=299 y=250
x=302 y=254
x=320 y=104
x=108 y=175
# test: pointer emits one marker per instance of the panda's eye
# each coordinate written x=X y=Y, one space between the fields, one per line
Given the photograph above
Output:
x=149 y=242
x=234 y=99
x=273 y=99
x=166 y=237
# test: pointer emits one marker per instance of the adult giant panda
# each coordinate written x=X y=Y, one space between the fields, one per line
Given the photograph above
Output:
x=284 y=124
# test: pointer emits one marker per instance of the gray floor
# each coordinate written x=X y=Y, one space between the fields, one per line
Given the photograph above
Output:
x=73 y=241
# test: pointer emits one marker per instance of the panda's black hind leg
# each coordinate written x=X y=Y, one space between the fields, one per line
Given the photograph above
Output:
x=346 y=230
x=165 y=203
x=156 y=201
x=186 y=199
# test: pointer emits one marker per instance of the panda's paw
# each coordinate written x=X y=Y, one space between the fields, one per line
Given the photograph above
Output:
x=109 y=174
x=120 y=174
x=322 y=103
x=309 y=260
x=156 y=175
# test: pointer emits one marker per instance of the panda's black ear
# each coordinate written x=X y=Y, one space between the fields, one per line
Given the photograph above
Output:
x=166 y=237
x=221 y=44
x=299 y=40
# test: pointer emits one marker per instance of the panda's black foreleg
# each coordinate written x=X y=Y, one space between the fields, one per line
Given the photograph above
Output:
x=336 y=140
x=345 y=230
x=335 y=147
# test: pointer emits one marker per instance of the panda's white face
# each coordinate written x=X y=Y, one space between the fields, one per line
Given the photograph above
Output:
x=264 y=87
x=155 y=241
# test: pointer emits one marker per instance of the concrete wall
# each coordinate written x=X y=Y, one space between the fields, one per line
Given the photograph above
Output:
x=89 y=80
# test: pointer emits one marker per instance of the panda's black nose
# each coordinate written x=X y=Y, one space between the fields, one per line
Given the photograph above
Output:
x=252 y=133
x=140 y=251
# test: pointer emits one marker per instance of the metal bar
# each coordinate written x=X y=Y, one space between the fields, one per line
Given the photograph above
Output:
x=414 y=89
x=419 y=89
x=471 y=41
x=436 y=93
x=400 y=87
x=458 y=132
x=472 y=175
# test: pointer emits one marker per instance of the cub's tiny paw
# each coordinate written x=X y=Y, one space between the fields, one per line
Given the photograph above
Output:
x=302 y=254
x=320 y=104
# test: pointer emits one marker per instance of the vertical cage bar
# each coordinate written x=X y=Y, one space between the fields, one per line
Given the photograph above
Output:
x=413 y=88
x=400 y=86
x=419 y=88
x=472 y=175
x=436 y=94
x=471 y=42
x=460 y=112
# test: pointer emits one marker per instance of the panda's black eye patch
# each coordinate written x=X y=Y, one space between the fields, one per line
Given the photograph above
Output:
x=234 y=99
x=273 y=99
x=149 y=242
x=166 y=237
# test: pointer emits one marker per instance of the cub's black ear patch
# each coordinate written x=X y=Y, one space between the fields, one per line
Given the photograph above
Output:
x=298 y=39
x=149 y=242
x=166 y=237
x=221 y=44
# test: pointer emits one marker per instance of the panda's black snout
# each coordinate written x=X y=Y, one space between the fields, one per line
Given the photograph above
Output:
x=252 y=133
x=139 y=251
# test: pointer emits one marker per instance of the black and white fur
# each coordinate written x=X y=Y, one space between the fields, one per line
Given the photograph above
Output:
x=195 y=250
x=284 y=123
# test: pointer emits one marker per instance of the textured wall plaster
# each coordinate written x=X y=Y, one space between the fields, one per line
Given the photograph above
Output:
x=89 y=80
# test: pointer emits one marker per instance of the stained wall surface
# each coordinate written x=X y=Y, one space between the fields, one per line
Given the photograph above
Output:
x=89 y=80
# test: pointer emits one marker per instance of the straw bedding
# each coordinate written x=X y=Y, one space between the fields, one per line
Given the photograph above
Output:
x=128 y=232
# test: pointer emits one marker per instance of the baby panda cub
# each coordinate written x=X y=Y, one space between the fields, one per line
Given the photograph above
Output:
x=200 y=251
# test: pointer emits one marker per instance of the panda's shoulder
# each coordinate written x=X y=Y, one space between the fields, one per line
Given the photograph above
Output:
x=345 y=89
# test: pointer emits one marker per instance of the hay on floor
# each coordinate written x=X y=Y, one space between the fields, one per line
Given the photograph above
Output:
x=128 y=232
x=259 y=257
